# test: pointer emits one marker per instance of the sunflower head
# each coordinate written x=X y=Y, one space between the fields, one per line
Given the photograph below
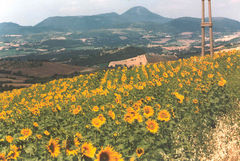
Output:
x=9 y=138
x=75 y=111
x=2 y=157
x=128 y=117
x=140 y=152
x=101 y=118
x=195 y=101
x=96 y=122
x=35 y=124
x=14 y=153
x=78 y=135
x=72 y=152
x=95 y=108
x=111 y=114
x=26 y=133
x=71 y=148
x=222 y=82
x=132 y=159
x=108 y=154
x=152 y=126
x=148 y=111
x=88 y=150
x=39 y=136
x=164 y=115
x=53 y=147
x=46 y=132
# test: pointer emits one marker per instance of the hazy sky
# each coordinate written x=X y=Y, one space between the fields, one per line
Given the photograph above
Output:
x=31 y=12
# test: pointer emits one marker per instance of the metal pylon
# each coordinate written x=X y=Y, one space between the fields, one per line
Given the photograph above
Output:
x=207 y=24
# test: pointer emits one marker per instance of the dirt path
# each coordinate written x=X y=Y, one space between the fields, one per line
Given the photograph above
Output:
x=224 y=144
x=224 y=140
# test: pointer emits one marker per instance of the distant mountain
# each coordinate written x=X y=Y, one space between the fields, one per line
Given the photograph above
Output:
x=141 y=14
x=13 y=28
x=81 y=23
x=190 y=24
x=108 y=20
x=9 y=27
x=138 y=17
x=225 y=24
x=183 y=24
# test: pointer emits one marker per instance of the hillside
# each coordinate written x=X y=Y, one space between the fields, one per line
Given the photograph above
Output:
x=138 y=17
x=158 y=111
x=8 y=27
x=81 y=23
x=108 y=20
x=190 y=24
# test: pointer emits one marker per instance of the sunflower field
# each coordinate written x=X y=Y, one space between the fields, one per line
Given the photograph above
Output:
x=156 y=112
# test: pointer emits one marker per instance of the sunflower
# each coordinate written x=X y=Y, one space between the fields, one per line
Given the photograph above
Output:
x=147 y=98
x=140 y=152
x=76 y=141
x=96 y=122
x=125 y=93
x=35 y=124
x=53 y=147
x=2 y=157
x=222 y=82
x=152 y=126
x=39 y=136
x=108 y=154
x=132 y=159
x=139 y=118
x=111 y=114
x=179 y=97
x=75 y=111
x=210 y=75
x=164 y=115
x=78 y=135
x=137 y=106
x=102 y=108
x=9 y=139
x=26 y=133
x=128 y=117
x=88 y=150
x=102 y=118
x=69 y=145
x=158 y=106
x=148 y=111
x=195 y=101
x=46 y=132
x=165 y=75
x=197 y=109
x=14 y=153
x=95 y=108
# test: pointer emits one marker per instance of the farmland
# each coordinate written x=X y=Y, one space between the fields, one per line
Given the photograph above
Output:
x=158 y=111
x=19 y=74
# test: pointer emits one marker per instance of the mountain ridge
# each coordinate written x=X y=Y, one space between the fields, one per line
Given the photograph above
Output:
x=139 y=17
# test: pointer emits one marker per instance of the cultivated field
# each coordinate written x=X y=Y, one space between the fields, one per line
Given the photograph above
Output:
x=161 y=111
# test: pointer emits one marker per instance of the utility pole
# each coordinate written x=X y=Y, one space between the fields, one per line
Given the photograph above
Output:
x=207 y=24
